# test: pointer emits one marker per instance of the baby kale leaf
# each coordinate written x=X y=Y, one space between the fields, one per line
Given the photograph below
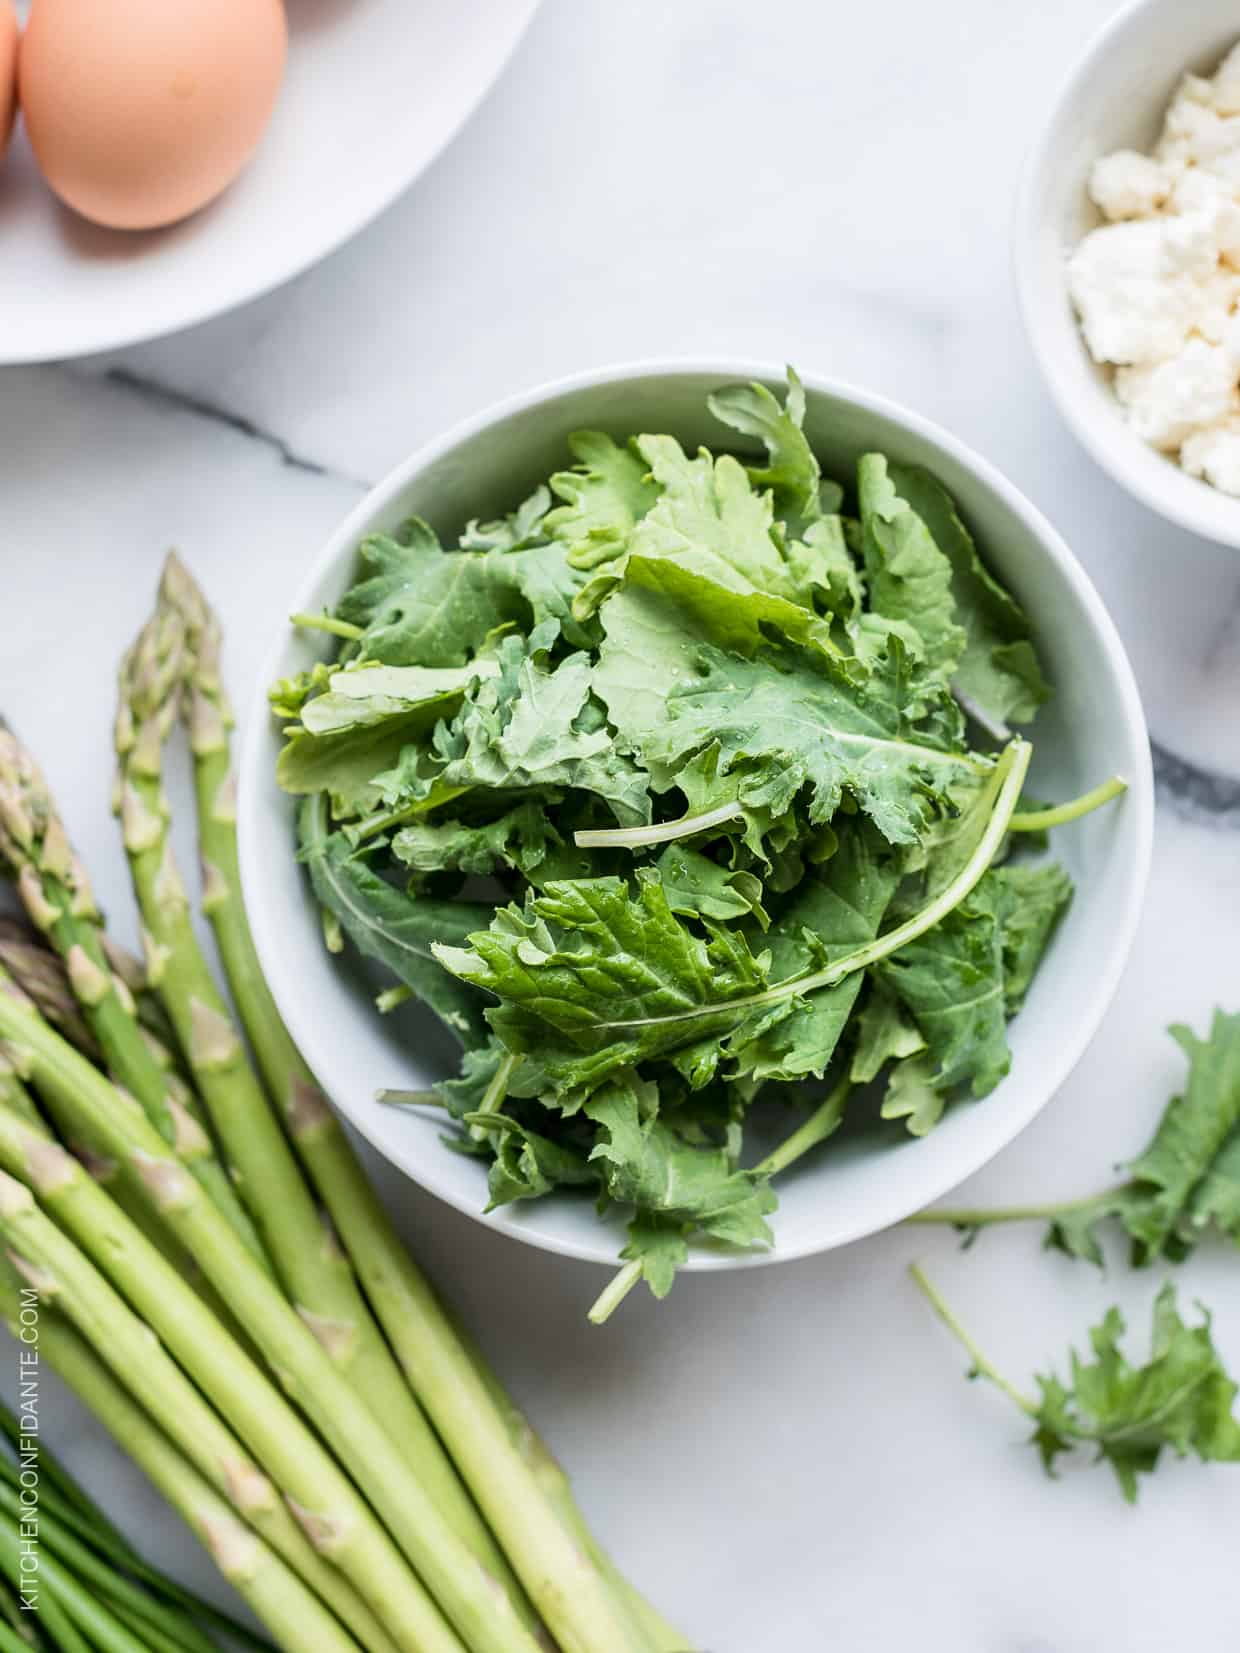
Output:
x=1186 y=1180
x=951 y=980
x=781 y=722
x=521 y=837
x=593 y=976
x=1035 y=899
x=999 y=670
x=837 y=908
x=515 y=532
x=367 y=718
x=605 y=495
x=909 y=578
x=1179 y=1400
x=698 y=887
x=536 y=725
x=423 y=606
x=652 y=622
x=792 y=472
x=1192 y=1134
x=386 y=924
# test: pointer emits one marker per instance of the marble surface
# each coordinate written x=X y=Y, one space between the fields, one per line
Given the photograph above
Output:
x=789 y=1459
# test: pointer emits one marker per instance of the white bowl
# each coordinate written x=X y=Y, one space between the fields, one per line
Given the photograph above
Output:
x=1114 y=98
x=1092 y=728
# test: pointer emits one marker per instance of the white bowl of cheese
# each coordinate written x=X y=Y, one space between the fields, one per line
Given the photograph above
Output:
x=1133 y=311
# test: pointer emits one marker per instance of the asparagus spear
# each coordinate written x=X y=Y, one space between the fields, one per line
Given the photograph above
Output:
x=316 y=1273
x=558 y=1491
x=42 y=976
x=61 y=1496
x=124 y=1596
x=159 y=1385
x=111 y=1549
x=277 y=1595
x=65 y=1635
x=57 y=896
x=38 y=983
x=334 y=1538
x=54 y=1475
x=546 y=1545
x=16 y=1623
x=473 y=1599
x=457 y=1397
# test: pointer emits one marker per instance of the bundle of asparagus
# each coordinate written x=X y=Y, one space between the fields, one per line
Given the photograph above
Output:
x=163 y=1192
x=91 y=1588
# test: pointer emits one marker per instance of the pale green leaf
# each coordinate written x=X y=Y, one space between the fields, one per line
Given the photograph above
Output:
x=909 y=578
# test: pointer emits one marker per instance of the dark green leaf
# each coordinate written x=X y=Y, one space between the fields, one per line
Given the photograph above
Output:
x=951 y=979
x=365 y=721
x=386 y=924
x=1035 y=899
x=999 y=670
x=1180 y=1399
x=646 y=1163
x=1216 y=1198
x=884 y=1034
x=535 y=725
x=424 y=606
x=652 y=621
x=698 y=887
x=528 y=1165
x=661 y=1246
x=836 y=909
x=520 y=838
x=916 y=1094
x=781 y=722
x=1193 y=1130
x=584 y=959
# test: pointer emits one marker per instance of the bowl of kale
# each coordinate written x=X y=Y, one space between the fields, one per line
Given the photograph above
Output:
x=696 y=816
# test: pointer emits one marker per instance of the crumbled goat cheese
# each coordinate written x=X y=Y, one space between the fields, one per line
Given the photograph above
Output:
x=1215 y=300
x=1128 y=185
x=1168 y=401
x=1214 y=453
x=1134 y=299
x=1156 y=287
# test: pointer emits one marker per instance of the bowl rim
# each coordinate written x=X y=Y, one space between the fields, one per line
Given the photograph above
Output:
x=307 y=1031
x=1151 y=477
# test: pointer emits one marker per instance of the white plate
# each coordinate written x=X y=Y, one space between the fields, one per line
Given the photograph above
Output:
x=374 y=90
x=1091 y=728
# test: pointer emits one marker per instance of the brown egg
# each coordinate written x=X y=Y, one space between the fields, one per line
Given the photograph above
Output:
x=8 y=72
x=142 y=111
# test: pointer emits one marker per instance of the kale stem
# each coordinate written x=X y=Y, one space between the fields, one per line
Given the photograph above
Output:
x=613 y=1294
x=325 y=622
x=494 y=1096
x=661 y=832
x=981 y=1366
x=817 y=1128
x=358 y=831
x=410 y=1099
x=981 y=1217
x=1041 y=820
